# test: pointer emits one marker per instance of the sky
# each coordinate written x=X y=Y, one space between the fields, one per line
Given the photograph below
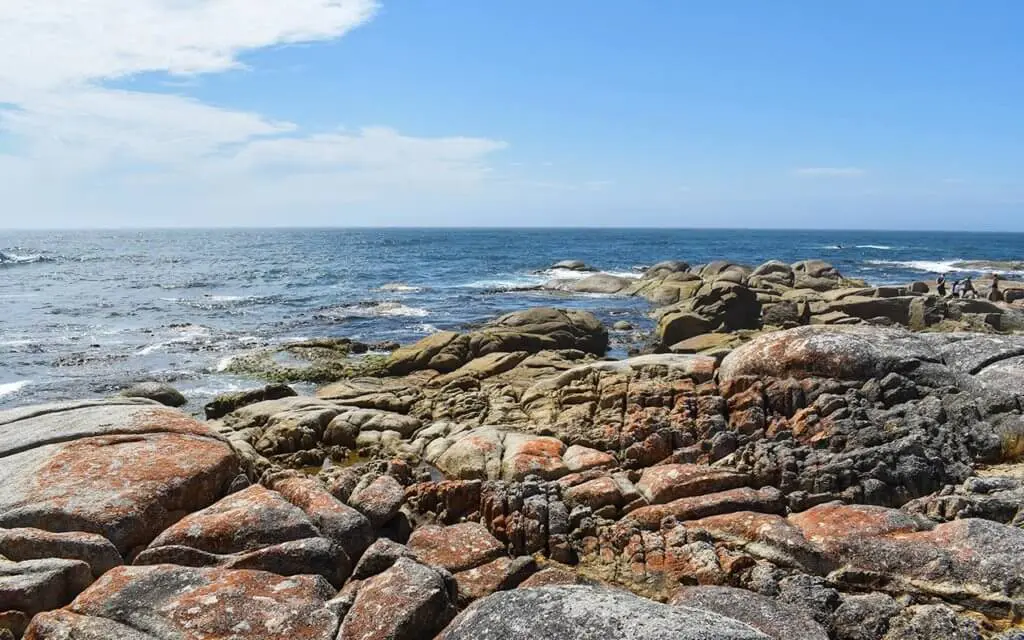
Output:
x=669 y=113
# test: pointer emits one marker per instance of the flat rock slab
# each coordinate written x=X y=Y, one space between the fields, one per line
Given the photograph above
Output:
x=178 y=603
x=589 y=613
x=123 y=469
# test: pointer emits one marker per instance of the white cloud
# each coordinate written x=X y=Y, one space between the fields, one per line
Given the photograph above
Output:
x=64 y=125
x=829 y=172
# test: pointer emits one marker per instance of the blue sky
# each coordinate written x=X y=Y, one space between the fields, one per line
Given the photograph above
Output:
x=347 y=112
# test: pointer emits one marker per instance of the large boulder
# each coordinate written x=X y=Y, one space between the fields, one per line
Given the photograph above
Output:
x=845 y=353
x=181 y=603
x=589 y=613
x=122 y=469
x=531 y=331
x=721 y=306
x=300 y=530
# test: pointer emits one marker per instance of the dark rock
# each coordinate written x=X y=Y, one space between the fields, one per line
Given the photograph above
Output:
x=929 y=622
x=160 y=392
x=864 y=617
x=228 y=402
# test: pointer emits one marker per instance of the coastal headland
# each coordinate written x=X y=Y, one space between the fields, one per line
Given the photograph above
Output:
x=790 y=453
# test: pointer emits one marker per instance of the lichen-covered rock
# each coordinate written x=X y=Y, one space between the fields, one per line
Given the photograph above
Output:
x=114 y=468
x=456 y=548
x=844 y=353
x=584 y=613
x=665 y=483
x=409 y=601
x=179 y=603
x=300 y=531
x=380 y=500
x=498 y=575
x=864 y=617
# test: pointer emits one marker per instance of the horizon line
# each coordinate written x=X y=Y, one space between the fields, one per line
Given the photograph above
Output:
x=496 y=228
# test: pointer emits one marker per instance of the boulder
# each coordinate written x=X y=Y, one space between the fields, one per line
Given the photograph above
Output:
x=456 y=548
x=531 y=331
x=228 y=402
x=572 y=265
x=665 y=268
x=583 y=613
x=845 y=353
x=498 y=575
x=182 y=603
x=301 y=530
x=777 y=620
x=113 y=468
x=379 y=501
x=665 y=483
x=33 y=586
x=379 y=557
x=36 y=544
x=407 y=602
x=160 y=392
x=577 y=458
x=864 y=617
x=602 y=283
x=932 y=621
x=721 y=306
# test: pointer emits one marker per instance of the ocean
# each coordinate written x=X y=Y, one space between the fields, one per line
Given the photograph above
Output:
x=85 y=313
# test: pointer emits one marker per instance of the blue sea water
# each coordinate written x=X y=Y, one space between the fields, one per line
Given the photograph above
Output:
x=83 y=313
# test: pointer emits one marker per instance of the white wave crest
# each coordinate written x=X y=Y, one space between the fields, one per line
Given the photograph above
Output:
x=398 y=287
x=930 y=266
x=8 y=388
x=389 y=309
x=881 y=247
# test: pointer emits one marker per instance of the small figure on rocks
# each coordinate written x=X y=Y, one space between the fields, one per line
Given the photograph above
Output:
x=940 y=285
x=994 y=294
x=967 y=289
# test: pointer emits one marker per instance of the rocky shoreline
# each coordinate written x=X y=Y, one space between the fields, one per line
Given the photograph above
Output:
x=792 y=454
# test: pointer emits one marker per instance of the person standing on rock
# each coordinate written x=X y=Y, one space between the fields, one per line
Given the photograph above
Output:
x=940 y=285
x=967 y=289
x=994 y=294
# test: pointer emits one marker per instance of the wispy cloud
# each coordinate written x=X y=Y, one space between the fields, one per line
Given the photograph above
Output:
x=829 y=172
x=63 y=115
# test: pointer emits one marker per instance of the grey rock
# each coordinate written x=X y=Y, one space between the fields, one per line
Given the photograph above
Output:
x=864 y=617
x=576 y=612
x=929 y=622
x=778 y=620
